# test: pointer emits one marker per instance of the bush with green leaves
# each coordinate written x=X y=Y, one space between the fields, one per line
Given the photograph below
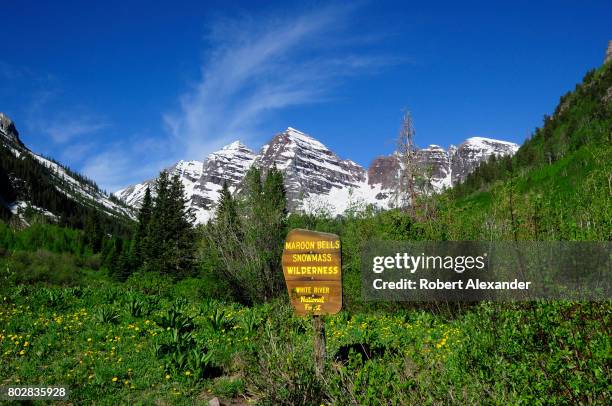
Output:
x=176 y=320
x=137 y=307
x=107 y=314
x=219 y=319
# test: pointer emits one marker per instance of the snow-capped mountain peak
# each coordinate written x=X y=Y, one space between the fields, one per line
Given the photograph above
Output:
x=315 y=177
x=308 y=165
x=202 y=180
x=467 y=156
x=303 y=140
x=233 y=146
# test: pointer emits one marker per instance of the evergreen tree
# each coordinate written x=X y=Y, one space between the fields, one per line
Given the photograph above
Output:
x=254 y=204
x=247 y=236
x=157 y=231
x=93 y=231
x=253 y=186
x=224 y=236
x=125 y=265
x=226 y=212
x=274 y=192
x=112 y=254
x=170 y=242
x=181 y=255
x=274 y=230
x=138 y=249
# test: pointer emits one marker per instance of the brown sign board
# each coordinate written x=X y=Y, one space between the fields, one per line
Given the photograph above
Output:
x=313 y=271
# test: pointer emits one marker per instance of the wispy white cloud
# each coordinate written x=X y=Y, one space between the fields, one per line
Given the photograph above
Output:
x=252 y=68
x=256 y=66
x=62 y=131
x=126 y=162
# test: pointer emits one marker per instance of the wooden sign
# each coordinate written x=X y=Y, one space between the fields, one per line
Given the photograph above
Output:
x=313 y=272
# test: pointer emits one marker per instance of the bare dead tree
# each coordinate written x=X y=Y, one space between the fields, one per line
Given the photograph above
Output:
x=408 y=166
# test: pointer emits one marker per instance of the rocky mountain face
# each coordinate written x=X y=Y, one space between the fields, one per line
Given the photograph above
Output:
x=23 y=172
x=316 y=179
x=8 y=131
x=441 y=168
x=308 y=166
x=472 y=152
x=202 y=180
x=228 y=165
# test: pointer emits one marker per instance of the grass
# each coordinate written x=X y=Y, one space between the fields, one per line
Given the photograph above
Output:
x=112 y=343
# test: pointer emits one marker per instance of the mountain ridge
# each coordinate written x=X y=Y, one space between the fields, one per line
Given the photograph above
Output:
x=316 y=178
x=34 y=183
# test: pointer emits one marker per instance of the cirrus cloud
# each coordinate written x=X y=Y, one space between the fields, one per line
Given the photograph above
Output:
x=252 y=68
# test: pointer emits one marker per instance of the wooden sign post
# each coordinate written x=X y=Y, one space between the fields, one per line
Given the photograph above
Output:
x=313 y=273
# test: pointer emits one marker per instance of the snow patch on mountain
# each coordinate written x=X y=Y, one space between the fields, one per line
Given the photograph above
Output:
x=19 y=207
x=78 y=190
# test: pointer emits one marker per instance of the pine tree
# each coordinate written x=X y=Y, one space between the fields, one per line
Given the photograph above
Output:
x=224 y=235
x=138 y=249
x=253 y=186
x=254 y=202
x=273 y=231
x=170 y=242
x=157 y=231
x=226 y=213
x=182 y=247
x=275 y=197
x=111 y=255
x=248 y=236
x=93 y=231
x=125 y=264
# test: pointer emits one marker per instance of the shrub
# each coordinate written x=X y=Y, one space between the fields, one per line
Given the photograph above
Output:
x=174 y=319
x=150 y=283
x=107 y=314
x=283 y=372
x=44 y=266
x=136 y=307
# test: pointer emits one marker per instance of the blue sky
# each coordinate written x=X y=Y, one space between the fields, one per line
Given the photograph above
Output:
x=119 y=90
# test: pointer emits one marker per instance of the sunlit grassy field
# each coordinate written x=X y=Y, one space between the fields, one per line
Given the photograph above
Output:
x=150 y=341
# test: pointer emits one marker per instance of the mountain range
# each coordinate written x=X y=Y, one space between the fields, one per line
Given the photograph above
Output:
x=317 y=179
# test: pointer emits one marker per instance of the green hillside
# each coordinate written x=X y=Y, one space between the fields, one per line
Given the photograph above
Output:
x=557 y=186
